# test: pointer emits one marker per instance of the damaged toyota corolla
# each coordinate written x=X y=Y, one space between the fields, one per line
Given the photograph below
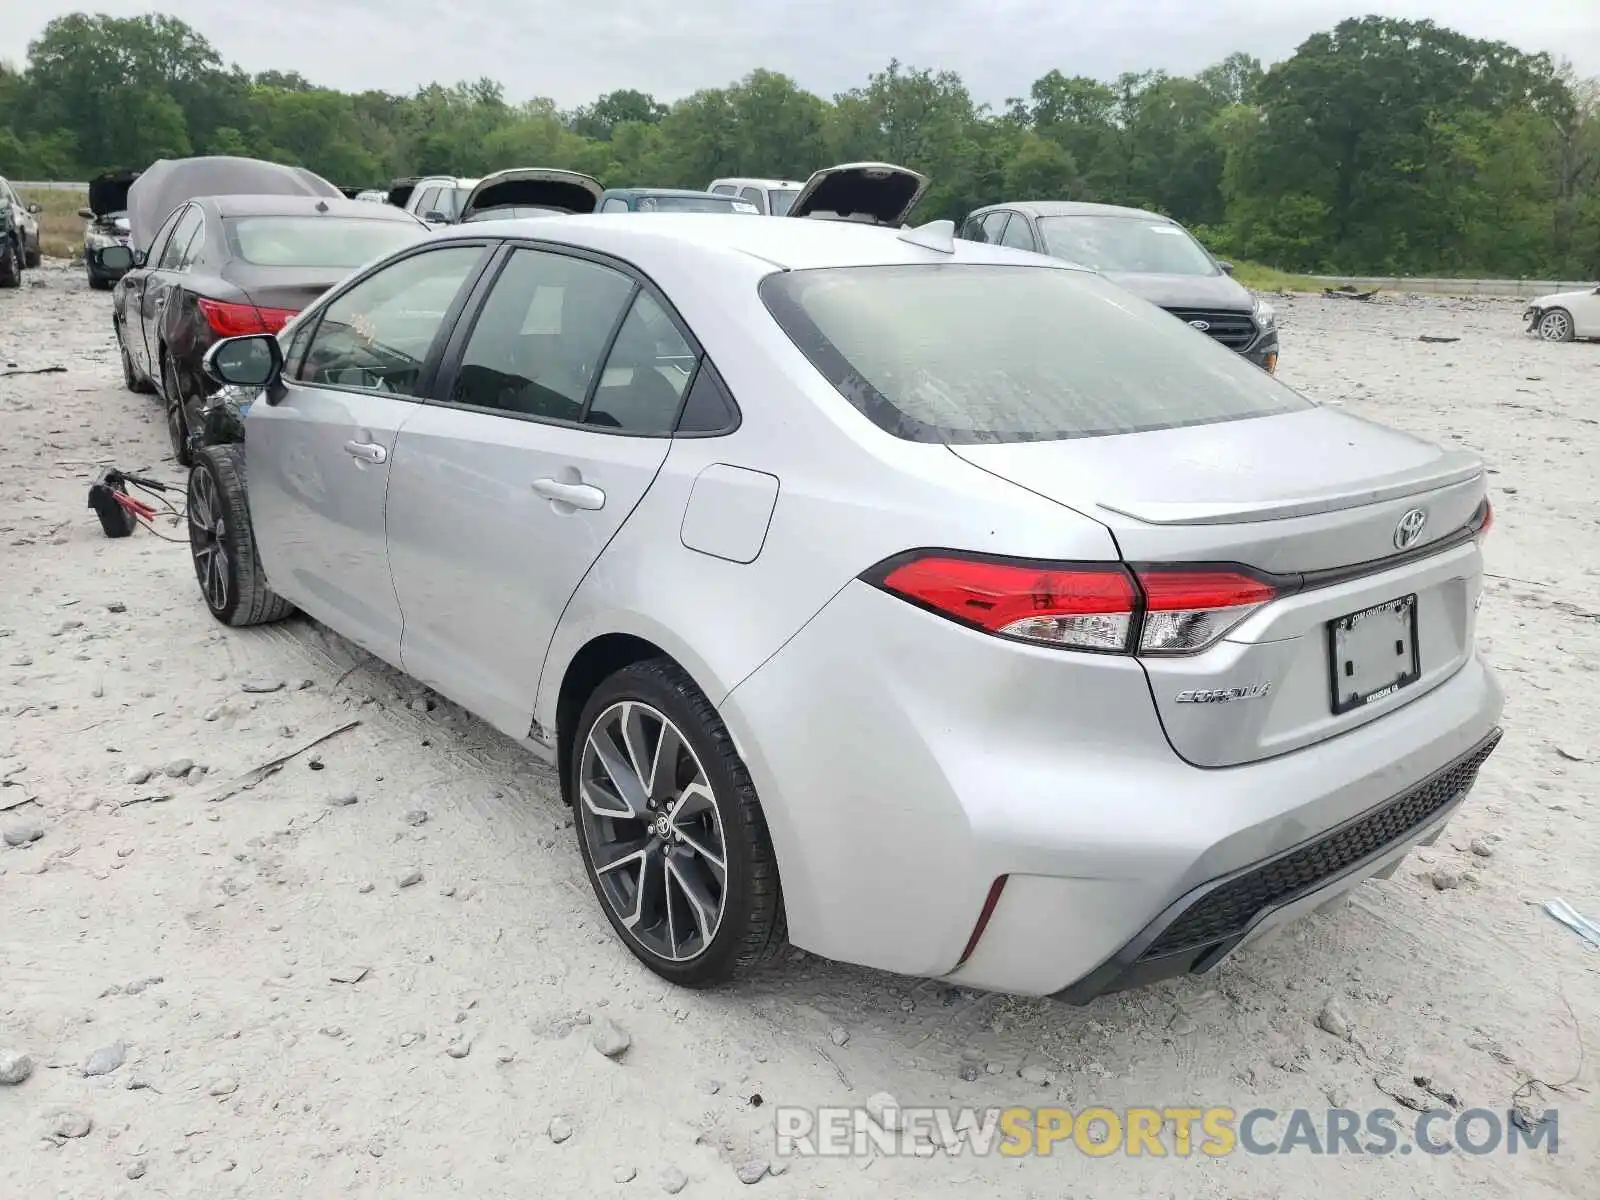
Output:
x=931 y=605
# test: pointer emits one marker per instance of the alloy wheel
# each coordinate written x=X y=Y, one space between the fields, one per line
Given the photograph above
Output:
x=654 y=831
x=1555 y=327
x=207 y=530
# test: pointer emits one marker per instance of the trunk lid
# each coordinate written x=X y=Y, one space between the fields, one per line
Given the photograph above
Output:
x=1319 y=498
x=871 y=192
x=536 y=187
x=291 y=288
x=108 y=193
x=400 y=191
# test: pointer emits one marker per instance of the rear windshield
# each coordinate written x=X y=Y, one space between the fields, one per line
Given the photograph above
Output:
x=782 y=200
x=983 y=352
x=341 y=242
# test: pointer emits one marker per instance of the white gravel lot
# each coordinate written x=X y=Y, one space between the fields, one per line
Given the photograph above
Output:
x=218 y=943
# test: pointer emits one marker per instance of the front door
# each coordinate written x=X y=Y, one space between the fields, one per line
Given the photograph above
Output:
x=321 y=451
x=158 y=284
x=548 y=432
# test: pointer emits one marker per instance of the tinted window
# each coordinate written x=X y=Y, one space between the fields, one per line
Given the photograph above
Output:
x=972 y=229
x=702 y=204
x=158 y=244
x=537 y=343
x=187 y=229
x=709 y=408
x=782 y=200
x=428 y=202
x=377 y=335
x=1138 y=245
x=1017 y=234
x=723 y=189
x=993 y=225
x=989 y=353
x=753 y=195
x=646 y=373
x=339 y=242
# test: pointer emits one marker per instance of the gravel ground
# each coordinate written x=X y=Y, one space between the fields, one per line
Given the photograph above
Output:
x=251 y=997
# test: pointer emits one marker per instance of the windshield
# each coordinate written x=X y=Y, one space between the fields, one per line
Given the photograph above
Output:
x=1136 y=245
x=968 y=353
x=782 y=200
x=509 y=212
x=701 y=204
x=340 y=242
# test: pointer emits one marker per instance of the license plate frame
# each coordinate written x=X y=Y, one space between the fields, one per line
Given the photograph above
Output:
x=1362 y=667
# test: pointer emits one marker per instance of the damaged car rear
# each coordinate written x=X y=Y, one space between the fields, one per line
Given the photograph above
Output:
x=1565 y=316
x=106 y=217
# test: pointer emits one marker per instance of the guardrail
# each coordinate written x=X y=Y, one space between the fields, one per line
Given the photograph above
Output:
x=1516 y=289
x=48 y=185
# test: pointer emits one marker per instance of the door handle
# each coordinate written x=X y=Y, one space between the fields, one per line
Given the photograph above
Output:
x=579 y=495
x=366 y=452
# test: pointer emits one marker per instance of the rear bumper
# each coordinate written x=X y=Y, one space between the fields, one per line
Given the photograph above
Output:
x=905 y=764
x=1201 y=928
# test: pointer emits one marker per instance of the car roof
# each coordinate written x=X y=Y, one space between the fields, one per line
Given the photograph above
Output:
x=647 y=239
x=295 y=206
x=1071 y=208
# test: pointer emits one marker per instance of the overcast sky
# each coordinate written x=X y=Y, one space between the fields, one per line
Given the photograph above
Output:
x=574 y=50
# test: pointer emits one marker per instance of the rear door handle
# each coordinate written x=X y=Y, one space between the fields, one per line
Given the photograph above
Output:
x=579 y=495
x=366 y=451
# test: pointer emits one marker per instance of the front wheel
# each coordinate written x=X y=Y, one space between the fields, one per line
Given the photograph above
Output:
x=10 y=264
x=35 y=256
x=1556 y=326
x=222 y=542
x=671 y=830
x=131 y=379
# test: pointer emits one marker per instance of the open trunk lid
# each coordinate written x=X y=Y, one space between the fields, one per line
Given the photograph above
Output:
x=1323 y=507
x=400 y=191
x=535 y=187
x=871 y=192
x=108 y=193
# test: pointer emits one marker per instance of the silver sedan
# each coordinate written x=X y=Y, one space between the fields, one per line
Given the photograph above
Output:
x=931 y=605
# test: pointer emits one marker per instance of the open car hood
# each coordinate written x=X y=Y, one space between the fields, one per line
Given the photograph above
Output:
x=400 y=191
x=108 y=193
x=871 y=192
x=534 y=187
x=169 y=182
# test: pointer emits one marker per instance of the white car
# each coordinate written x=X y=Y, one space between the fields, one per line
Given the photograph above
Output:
x=942 y=607
x=1565 y=316
x=772 y=197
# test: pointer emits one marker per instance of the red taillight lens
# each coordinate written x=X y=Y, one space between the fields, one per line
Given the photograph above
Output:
x=1080 y=607
x=1186 y=611
x=1485 y=520
x=235 y=320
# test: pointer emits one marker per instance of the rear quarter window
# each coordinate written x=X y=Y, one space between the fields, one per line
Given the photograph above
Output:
x=982 y=352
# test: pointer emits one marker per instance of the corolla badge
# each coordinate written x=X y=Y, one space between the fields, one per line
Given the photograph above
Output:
x=1252 y=691
x=1202 y=326
x=1410 y=529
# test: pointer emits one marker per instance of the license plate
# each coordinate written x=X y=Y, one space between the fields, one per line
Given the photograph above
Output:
x=1373 y=653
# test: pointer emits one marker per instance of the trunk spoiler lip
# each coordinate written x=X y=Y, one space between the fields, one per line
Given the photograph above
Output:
x=1457 y=468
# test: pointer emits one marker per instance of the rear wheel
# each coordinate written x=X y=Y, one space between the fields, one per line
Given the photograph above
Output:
x=35 y=256
x=1556 y=326
x=671 y=831
x=10 y=264
x=177 y=418
x=223 y=544
x=131 y=379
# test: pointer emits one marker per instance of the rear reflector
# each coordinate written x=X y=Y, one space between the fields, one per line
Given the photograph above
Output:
x=236 y=320
x=1483 y=519
x=1101 y=607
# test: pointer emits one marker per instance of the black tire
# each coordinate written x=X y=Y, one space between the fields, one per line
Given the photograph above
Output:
x=131 y=379
x=35 y=256
x=752 y=927
x=233 y=584
x=98 y=283
x=177 y=417
x=10 y=264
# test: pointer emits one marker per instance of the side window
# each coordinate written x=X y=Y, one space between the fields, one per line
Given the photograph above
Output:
x=295 y=348
x=428 y=202
x=755 y=197
x=709 y=408
x=646 y=373
x=994 y=225
x=1017 y=234
x=724 y=189
x=377 y=335
x=194 y=254
x=158 y=244
x=538 y=341
x=178 y=244
x=614 y=204
x=972 y=229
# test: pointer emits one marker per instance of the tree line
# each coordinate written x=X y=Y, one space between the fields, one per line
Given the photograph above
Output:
x=1380 y=146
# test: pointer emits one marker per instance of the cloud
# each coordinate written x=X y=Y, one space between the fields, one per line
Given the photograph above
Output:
x=573 y=51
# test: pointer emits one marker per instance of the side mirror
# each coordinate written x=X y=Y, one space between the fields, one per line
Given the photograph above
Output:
x=435 y=218
x=86 y=213
x=251 y=361
x=35 y=208
x=115 y=258
x=1227 y=267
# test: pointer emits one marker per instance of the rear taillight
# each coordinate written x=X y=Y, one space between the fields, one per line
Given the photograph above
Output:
x=1102 y=607
x=1483 y=519
x=235 y=320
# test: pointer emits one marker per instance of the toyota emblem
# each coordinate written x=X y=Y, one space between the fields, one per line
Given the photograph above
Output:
x=1410 y=529
x=1202 y=326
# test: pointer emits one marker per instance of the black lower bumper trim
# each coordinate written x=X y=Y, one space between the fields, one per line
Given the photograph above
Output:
x=1199 y=929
